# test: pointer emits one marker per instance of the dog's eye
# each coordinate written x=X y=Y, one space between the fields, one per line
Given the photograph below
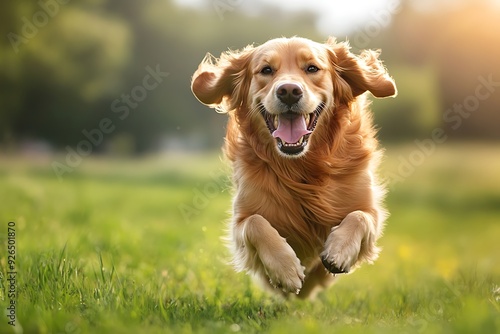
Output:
x=266 y=70
x=312 y=69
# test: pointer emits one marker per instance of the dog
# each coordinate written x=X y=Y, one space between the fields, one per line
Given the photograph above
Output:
x=307 y=202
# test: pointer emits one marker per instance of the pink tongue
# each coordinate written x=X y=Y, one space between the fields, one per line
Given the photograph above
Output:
x=291 y=128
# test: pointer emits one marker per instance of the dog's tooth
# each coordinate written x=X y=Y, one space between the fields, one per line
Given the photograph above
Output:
x=275 y=122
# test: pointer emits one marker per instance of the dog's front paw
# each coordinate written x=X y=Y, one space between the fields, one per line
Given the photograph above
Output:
x=283 y=269
x=341 y=251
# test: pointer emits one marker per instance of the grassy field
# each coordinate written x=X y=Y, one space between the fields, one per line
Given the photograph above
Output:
x=134 y=246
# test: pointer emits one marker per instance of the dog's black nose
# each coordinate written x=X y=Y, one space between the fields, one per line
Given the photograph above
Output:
x=289 y=93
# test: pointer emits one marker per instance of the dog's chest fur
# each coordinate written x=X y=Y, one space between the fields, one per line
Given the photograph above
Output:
x=303 y=210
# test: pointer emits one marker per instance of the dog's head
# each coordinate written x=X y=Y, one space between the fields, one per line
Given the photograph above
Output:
x=284 y=86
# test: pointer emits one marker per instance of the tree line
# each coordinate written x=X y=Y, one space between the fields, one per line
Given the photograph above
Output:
x=66 y=66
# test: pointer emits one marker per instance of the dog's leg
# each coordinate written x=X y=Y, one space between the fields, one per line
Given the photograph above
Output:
x=260 y=249
x=351 y=241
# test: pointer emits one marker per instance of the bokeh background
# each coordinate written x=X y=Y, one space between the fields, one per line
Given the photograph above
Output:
x=63 y=64
x=111 y=169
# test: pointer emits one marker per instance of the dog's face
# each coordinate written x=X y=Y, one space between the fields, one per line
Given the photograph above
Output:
x=285 y=85
x=291 y=85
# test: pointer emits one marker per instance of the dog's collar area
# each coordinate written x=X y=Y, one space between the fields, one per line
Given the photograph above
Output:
x=291 y=130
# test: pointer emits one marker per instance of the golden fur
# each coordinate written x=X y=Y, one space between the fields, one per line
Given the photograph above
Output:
x=291 y=212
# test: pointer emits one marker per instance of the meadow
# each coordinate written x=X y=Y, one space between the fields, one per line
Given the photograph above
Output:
x=134 y=246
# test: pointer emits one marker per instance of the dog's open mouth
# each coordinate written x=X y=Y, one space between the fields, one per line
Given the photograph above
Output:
x=292 y=130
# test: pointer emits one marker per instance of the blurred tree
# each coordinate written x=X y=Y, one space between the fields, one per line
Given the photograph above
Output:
x=62 y=68
x=461 y=43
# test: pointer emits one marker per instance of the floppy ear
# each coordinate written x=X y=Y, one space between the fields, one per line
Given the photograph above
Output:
x=362 y=73
x=221 y=83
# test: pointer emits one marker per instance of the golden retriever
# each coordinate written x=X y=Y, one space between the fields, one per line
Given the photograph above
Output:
x=304 y=155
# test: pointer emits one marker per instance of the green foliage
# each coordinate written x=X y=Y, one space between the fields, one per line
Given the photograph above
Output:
x=108 y=250
x=82 y=51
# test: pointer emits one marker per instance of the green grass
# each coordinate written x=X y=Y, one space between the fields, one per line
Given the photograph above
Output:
x=128 y=246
